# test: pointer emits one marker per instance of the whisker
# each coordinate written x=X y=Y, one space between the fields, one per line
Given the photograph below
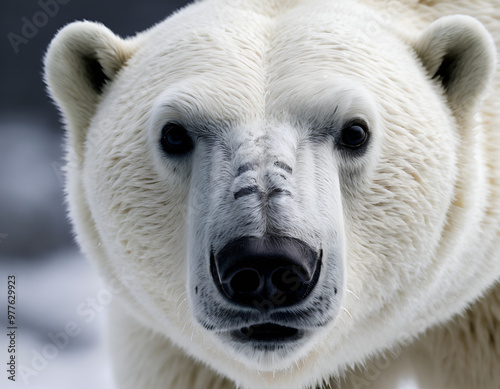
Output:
x=180 y=305
x=180 y=296
x=179 y=288
x=351 y=292
x=345 y=309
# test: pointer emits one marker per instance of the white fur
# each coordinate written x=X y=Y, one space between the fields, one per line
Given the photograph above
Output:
x=410 y=229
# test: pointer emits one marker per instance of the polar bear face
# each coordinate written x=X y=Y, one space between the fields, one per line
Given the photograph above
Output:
x=267 y=191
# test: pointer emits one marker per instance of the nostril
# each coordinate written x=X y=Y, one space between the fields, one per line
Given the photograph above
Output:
x=286 y=280
x=268 y=271
x=245 y=281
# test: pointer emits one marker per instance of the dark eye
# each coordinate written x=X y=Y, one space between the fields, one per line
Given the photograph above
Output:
x=175 y=139
x=354 y=135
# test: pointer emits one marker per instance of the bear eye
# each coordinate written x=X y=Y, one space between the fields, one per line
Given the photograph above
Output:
x=175 y=139
x=354 y=134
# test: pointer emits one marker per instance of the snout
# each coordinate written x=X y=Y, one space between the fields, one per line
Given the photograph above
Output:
x=266 y=273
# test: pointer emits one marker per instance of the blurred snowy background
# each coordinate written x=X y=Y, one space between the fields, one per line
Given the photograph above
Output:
x=53 y=279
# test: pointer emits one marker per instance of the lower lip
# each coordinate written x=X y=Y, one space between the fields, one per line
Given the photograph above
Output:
x=267 y=333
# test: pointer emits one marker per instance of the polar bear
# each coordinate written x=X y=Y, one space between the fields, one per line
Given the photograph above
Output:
x=291 y=193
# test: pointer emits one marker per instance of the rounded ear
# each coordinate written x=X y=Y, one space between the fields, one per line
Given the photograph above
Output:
x=81 y=59
x=459 y=52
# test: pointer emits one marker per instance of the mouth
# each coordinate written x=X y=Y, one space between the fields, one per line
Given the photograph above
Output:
x=267 y=333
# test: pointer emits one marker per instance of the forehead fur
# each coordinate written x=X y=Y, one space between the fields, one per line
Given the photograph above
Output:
x=245 y=62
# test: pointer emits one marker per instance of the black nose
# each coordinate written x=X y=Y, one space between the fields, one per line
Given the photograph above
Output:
x=267 y=272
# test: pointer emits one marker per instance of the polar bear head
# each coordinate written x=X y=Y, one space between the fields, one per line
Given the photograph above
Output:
x=271 y=184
